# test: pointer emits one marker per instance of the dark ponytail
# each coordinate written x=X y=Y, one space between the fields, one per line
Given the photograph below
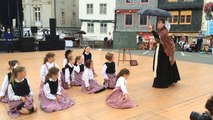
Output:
x=48 y=55
x=122 y=72
x=52 y=71
x=12 y=64
x=67 y=52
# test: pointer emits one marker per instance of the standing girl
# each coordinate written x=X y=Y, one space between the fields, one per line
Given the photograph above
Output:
x=78 y=71
x=119 y=98
x=87 y=55
x=53 y=98
x=67 y=53
x=68 y=73
x=89 y=85
x=3 y=93
x=49 y=62
x=109 y=71
x=20 y=93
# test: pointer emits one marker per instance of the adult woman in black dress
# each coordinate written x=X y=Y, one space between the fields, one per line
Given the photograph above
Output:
x=164 y=65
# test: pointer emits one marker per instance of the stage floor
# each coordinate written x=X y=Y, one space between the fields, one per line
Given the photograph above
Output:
x=174 y=103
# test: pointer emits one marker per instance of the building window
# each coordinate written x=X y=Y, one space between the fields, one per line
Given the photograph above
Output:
x=37 y=14
x=129 y=19
x=185 y=17
x=89 y=8
x=172 y=0
x=63 y=18
x=73 y=18
x=103 y=28
x=144 y=1
x=143 y=20
x=90 y=27
x=103 y=8
x=129 y=1
x=175 y=18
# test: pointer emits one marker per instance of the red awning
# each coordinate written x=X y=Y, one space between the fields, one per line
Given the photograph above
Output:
x=127 y=11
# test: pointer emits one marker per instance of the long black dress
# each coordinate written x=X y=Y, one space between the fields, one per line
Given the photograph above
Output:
x=165 y=74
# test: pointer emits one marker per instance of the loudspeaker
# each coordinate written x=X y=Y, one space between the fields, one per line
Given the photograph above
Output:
x=52 y=37
x=52 y=22
x=28 y=44
x=34 y=29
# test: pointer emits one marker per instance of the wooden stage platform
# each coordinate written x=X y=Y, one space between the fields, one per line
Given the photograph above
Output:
x=174 y=103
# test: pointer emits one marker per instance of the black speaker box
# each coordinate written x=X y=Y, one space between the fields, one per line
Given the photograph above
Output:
x=28 y=44
x=51 y=45
x=34 y=29
x=52 y=37
x=52 y=22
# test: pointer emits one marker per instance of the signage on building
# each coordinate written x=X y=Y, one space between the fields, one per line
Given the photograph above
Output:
x=210 y=27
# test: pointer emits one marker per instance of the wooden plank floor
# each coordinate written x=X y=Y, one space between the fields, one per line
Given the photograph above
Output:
x=175 y=103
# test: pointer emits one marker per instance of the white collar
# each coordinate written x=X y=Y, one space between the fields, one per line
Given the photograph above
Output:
x=86 y=53
x=48 y=63
x=88 y=68
x=123 y=78
x=50 y=79
x=18 y=80
x=71 y=65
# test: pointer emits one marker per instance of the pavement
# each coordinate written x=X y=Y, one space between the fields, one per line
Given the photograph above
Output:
x=179 y=56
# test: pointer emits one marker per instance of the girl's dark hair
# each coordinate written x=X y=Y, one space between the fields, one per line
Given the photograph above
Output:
x=86 y=48
x=52 y=71
x=48 y=55
x=67 y=52
x=69 y=58
x=12 y=64
x=76 y=59
x=109 y=56
x=209 y=105
x=122 y=72
x=15 y=72
x=88 y=63
x=163 y=21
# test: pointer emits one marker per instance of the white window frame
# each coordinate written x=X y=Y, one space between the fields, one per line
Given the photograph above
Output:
x=103 y=8
x=90 y=27
x=103 y=27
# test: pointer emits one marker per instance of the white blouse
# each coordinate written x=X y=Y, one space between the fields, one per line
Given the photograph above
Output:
x=121 y=82
x=77 y=68
x=68 y=75
x=104 y=72
x=4 y=86
x=45 y=68
x=87 y=75
x=47 y=91
x=65 y=62
x=11 y=93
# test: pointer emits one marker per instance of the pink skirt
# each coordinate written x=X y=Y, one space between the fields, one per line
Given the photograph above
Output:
x=95 y=87
x=111 y=82
x=13 y=106
x=116 y=100
x=78 y=79
x=5 y=99
x=54 y=105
